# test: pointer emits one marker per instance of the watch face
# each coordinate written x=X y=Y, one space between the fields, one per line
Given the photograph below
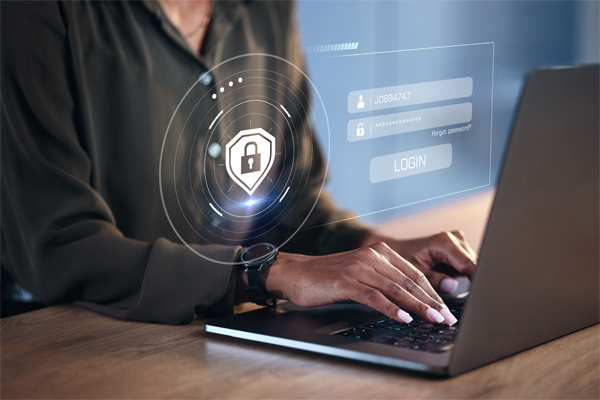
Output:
x=258 y=253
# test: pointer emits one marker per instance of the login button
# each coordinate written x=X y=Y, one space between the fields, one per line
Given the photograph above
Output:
x=413 y=162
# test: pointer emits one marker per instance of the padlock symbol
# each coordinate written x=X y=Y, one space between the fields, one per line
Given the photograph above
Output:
x=361 y=130
x=250 y=163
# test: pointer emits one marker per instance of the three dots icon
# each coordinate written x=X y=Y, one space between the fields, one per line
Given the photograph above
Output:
x=222 y=88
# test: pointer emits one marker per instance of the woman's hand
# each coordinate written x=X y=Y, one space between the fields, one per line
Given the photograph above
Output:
x=440 y=257
x=375 y=275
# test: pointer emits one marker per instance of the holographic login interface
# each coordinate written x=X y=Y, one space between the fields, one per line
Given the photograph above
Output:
x=409 y=125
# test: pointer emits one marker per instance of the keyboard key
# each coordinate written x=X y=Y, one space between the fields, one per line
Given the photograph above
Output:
x=384 y=340
x=363 y=336
x=419 y=329
x=419 y=334
x=370 y=334
x=371 y=326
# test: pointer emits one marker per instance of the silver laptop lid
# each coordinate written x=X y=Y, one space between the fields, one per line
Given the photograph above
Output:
x=537 y=277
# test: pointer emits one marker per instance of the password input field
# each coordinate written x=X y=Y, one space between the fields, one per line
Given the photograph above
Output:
x=409 y=121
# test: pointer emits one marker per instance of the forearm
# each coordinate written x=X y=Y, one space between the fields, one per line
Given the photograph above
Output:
x=156 y=281
x=369 y=275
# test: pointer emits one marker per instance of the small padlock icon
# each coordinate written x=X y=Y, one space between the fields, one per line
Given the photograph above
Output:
x=361 y=130
x=250 y=163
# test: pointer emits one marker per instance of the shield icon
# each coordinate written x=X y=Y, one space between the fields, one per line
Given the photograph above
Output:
x=249 y=157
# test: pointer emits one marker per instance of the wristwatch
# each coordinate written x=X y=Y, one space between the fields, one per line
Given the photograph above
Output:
x=256 y=259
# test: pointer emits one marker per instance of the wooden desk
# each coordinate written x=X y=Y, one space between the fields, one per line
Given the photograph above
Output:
x=69 y=352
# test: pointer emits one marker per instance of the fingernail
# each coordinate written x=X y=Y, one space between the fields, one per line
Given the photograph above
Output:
x=434 y=315
x=448 y=317
x=404 y=316
x=449 y=285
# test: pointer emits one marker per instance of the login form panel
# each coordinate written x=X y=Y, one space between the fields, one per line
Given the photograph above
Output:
x=409 y=125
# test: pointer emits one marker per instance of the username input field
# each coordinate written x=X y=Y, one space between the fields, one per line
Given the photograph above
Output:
x=408 y=121
x=407 y=95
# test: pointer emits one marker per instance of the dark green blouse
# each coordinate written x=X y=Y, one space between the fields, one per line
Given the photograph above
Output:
x=88 y=89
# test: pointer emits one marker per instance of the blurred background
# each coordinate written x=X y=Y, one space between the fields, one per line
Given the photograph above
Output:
x=526 y=35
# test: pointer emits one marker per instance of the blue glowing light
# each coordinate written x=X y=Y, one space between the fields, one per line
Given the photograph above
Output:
x=250 y=202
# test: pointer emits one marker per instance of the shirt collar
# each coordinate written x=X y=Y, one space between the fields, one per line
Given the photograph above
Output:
x=225 y=14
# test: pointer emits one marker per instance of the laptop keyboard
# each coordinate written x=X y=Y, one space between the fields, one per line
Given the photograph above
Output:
x=419 y=334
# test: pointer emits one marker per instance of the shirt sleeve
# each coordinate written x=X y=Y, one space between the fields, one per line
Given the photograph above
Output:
x=59 y=237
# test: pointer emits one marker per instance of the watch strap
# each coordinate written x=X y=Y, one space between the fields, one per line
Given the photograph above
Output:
x=256 y=259
x=256 y=290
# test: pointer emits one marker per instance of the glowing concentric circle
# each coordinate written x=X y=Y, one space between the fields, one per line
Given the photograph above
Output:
x=204 y=204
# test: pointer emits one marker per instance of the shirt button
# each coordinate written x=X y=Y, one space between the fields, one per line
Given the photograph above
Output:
x=205 y=78
x=215 y=219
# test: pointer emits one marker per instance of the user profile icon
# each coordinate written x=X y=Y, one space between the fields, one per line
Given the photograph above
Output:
x=361 y=103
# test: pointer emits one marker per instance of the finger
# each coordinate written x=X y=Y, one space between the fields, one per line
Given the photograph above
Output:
x=470 y=250
x=401 y=296
x=446 y=248
x=441 y=282
x=373 y=298
x=409 y=295
x=398 y=268
x=460 y=235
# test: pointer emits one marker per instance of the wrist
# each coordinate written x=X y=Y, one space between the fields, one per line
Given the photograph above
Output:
x=276 y=279
x=273 y=277
x=257 y=260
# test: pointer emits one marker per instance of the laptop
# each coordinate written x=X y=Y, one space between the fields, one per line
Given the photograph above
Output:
x=538 y=271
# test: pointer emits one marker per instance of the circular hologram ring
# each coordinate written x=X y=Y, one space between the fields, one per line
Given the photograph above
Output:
x=239 y=163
